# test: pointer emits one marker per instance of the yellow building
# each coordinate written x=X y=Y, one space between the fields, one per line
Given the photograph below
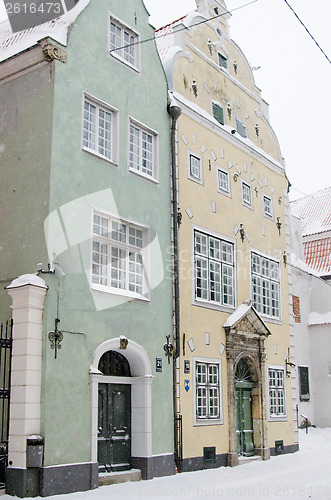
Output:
x=233 y=395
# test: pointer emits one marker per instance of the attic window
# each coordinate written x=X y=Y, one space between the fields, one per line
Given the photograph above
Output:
x=218 y=113
x=123 y=43
x=222 y=61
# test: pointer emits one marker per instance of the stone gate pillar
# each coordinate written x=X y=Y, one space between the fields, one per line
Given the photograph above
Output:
x=28 y=294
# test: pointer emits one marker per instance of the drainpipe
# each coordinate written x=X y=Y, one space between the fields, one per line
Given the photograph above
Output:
x=175 y=111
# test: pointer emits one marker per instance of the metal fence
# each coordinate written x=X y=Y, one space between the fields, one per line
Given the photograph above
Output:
x=6 y=330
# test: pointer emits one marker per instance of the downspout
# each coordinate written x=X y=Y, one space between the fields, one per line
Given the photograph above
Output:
x=175 y=111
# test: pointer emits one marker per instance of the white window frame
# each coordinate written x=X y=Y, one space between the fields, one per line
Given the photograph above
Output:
x=201 y=421
x=267 y=214
x=209 y=265
x=274 y=397
x=245 y=201
x=122 y=54
x=243 y=124
x=108 y=240
x=222 y=190
x=143 y=129
x=190 y=174
x=261 y=282
x=224 y=58
x=101 y=106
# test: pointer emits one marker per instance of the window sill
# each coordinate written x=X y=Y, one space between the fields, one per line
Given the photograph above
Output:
x=130 y=296
x=198 y=423
x=93 y=153
x=123 y=61
x=143 y=176
x=212 y=305
x=195 y=179
x=281 y=418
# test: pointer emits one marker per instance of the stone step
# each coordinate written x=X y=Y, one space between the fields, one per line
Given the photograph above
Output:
x=119 y=477
x=247 y=460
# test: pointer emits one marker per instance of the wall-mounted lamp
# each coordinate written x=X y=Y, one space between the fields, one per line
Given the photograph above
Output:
x=229 y=110
x=278 y=224
x=168 y=347
x=285 y=258
x=195 y=88
x=257 y=130
x=235 y=177
x=55 y=338
x=242 y=232
x=210 y=47
x=288 y=365
x=233 y=131
x=235 y=66
x=51 y=268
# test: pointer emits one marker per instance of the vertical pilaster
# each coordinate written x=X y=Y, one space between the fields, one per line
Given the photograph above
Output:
x=28 y=294
x=233 y=455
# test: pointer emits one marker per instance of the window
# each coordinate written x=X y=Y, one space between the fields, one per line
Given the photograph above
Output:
x=276 y=392
x=208 y=404
x=222 y=61
x=118 y=256
x=99 y=123
x=194 y=168
x=246 y=194
x=123 y=43
x=214 y=269
x=223 y=181
x=142 y=150
x=304 y=383
x=267 y=206
x=266 y=285
x=241 y=128
x=218 y=112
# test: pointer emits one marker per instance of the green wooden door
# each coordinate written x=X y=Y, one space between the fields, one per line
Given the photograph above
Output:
x=114 y=427
x=245 y=444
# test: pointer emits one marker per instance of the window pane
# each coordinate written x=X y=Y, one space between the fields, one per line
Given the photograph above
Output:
x=99 y=263
x=118 y=267
x=195 y=169
x=218 y=113
x=201 y=270
x=223 y=181
x=147 y=153
x=89 y=138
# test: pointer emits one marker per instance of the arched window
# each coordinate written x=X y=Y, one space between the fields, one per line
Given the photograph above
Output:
x=243 y=372
x=115 y=364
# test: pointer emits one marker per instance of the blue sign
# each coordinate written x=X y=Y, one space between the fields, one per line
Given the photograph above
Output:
x=187 y=385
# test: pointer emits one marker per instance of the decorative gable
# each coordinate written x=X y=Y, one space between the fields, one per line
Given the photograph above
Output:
x=246 y=321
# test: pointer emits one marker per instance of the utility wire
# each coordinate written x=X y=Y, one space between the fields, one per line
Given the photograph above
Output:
x=140 y=42
x=311 y=36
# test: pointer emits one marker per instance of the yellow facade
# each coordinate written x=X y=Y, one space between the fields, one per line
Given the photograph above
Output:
x=206 y=71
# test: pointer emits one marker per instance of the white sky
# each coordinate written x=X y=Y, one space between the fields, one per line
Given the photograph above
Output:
x=294 y=76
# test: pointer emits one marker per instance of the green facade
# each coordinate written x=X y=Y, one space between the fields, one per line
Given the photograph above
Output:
x=57 y=186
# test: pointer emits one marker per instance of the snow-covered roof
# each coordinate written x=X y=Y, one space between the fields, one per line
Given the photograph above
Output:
x=318 y=255
x=165 y=37
x=12 y=44
x=247 y=310
x=314 y=211
x=319 y=319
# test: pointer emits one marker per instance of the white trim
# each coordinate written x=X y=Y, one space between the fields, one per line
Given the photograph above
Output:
x=266 y=215
x=114 y=129
x=225 y=171
x=277 y=418
x=202 y=302
x=145 y=296
x=214 y=361
x=271 y=319
x=124 y=25
x=155 y=160
x=245 y=203
x=189 y=174
x=141 y=395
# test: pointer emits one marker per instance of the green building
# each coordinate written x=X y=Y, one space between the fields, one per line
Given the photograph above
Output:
x=86 y=261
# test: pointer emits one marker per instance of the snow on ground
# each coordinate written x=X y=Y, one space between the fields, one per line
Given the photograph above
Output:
x=302 y=475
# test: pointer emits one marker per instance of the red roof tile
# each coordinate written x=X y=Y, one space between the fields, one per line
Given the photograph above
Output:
x=318 y=255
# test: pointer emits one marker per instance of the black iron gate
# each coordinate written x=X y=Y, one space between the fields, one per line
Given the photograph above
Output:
x=5 y=371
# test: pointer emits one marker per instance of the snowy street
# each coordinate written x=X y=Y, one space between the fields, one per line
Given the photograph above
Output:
x=303 y=475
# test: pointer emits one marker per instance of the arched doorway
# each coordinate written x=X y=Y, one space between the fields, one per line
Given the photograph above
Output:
x=114 y=415
x=244 y=417
x=121 y=362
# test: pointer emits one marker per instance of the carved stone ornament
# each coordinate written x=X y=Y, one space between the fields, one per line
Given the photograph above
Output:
x=123 y=343
x=52 y=52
